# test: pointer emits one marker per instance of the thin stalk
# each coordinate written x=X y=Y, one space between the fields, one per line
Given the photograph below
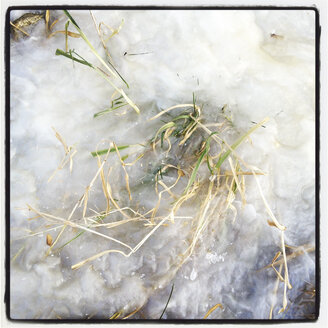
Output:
x=199 y=161
x=167 y=303
x=105 y=151
x=237 y=143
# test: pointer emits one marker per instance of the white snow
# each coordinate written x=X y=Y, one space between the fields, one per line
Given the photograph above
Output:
x=225 y=57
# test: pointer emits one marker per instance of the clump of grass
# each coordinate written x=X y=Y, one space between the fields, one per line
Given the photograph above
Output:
x=112 y=72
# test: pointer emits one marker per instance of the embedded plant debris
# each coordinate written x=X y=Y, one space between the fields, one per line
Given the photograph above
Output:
x=23 y=22
x=167 y=303
x=212 y=309
x=186 y=147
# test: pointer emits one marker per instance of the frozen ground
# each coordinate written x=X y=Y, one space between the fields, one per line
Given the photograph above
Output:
x=260 y=64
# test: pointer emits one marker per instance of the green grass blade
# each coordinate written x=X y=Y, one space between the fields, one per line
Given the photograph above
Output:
x=71 y=18
x=119 y=74
x=196 y=168
x=237 y=143
x=128 y=100
x=208 y=164
x=66 y=36
x=180 y=117
x=108 y=110
x=70 y=56
x=162 y=138
x=163 y=128
x=79 y=234
x=198 y=163
x=105 y=151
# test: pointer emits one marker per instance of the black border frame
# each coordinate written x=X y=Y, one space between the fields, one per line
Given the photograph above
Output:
x=317 y=165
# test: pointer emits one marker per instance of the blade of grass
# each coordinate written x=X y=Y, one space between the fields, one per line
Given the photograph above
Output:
x=115 y=316
x=128 y=100
x=66 y=36
x=108 y=110
x=47 y=18
x=78 y=235
x=70 y=56
x=199 y=161
x=237 y=143
x=111 y=150
x=212 y=309
x=163 y=128
x=167 y=303
x=19 y=29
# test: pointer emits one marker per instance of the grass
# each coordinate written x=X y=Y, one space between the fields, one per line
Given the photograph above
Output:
x=211 y=176
x=111 y=150
x=237 y=143
x=167 y=303
x=212 y=309
x=111 y=71
x=68 y=157
x=188 y=122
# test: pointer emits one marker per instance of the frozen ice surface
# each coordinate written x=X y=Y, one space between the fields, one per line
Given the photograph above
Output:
x=259 y=63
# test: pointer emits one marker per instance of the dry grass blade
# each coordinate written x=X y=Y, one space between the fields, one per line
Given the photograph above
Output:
x=115 y=316
x=212 y=309
x=275 y=293
x=132 y=313
x=94 y=257
x=114 y=31
x=19 y=29
x=103 y=183
x=47 y=18
x=69 y=33
x=53 y=24
x=240 y=173
x=202 y=220
x=135 y=161
x=68 y=157
x=297 y=252
x=169 y=109
x=76 y=225
x=166 y=189
x=99 y=34
x=126 y=173
x=61 y=139
x=236 y=180
x=278 y=225
x=287 y=283
x=17 y=254
x=114 y=202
